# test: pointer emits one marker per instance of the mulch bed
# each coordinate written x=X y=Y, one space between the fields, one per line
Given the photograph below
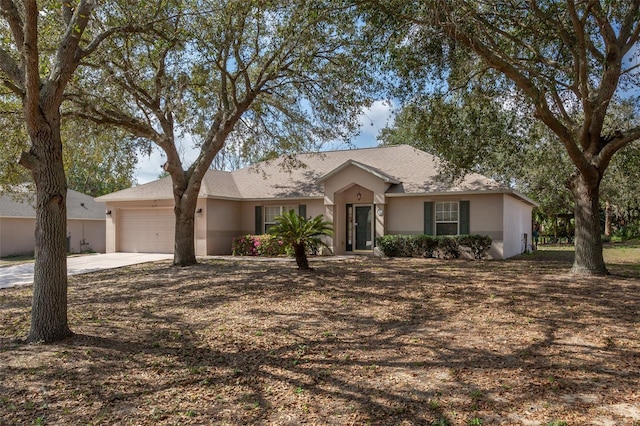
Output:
x=364 y=341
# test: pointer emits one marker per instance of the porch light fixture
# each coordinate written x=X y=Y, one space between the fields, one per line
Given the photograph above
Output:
x=358 y=196
x=199 y=211
x=108 y=212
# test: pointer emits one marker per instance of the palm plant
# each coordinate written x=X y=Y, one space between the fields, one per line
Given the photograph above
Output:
x=297 y=232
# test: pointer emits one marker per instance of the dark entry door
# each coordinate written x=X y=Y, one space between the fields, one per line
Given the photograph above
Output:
x=363 y=228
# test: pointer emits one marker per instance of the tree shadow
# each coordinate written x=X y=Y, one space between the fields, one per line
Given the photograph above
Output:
x=365 y=341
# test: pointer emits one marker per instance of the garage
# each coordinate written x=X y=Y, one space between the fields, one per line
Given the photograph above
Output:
x=146 y=230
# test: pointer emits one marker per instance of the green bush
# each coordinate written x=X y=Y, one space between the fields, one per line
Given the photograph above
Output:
x=399 y=245
x=390 y=245
x=429 y=246
x=257 y=245
x=627 y=232
x=478 y=244
x=405 y=245
x=424 y=245
x=448 y=248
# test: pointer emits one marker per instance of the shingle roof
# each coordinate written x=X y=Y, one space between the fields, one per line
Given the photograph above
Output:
x=79 y=206
x=409 y=170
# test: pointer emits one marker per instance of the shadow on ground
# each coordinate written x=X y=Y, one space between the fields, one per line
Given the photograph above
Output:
x=413 y=341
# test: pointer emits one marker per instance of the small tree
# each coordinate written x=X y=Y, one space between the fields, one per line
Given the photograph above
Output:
x=299 y=233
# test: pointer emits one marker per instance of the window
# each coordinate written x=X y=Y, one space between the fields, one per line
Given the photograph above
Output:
x=447 y=218
x=271 y=212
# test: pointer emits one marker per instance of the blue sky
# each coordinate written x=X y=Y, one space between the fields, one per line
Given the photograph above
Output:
x=372 y=120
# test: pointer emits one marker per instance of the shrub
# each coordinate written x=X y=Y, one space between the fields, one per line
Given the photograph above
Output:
x=418 y=246
x=388 y=245
x=301 y=234
x=478 y=244
x=424 y=245
x=448 y=248
x=429 y=246
x=628 y=232
x=257 y=245
x=396 y=245
x=405 y=245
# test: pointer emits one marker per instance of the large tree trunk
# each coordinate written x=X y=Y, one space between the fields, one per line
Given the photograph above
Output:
x=588 y=242
x=184 y=253
x=49 y=306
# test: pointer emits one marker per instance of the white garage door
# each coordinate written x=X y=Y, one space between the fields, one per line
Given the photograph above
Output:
x=146 y=230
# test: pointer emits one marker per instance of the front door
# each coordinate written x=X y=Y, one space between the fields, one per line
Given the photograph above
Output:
x=363 y=227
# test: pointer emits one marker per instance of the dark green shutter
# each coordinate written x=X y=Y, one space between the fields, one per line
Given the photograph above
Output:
x=428 y=218
x=302 y=210
x=259 y=229
x=348 y=237
x=464 y=218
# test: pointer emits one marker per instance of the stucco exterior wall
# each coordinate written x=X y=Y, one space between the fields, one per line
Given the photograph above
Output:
x=517 y=223
x=344 y=181
x=314 y=207
x=223 y=222
x=17 y=236
x=405 y=215
x=86 y=235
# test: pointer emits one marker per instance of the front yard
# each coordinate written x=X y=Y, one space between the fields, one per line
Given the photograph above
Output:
x=366 y=341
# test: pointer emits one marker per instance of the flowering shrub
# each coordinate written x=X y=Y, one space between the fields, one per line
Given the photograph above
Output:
x=257 y=245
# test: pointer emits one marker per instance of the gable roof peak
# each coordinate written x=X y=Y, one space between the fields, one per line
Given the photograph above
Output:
x=374 y=171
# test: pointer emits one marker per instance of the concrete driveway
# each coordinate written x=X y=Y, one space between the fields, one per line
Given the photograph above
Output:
x=11 y=276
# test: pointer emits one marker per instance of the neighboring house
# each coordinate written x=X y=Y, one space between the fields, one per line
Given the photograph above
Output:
x=85 y=223
x=365 y=193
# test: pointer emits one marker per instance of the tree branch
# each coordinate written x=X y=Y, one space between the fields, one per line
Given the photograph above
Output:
x=12 y=70
x=617 y=142
x=11 y=14
x=68 y=54
x=67 y=12
x=31 y=63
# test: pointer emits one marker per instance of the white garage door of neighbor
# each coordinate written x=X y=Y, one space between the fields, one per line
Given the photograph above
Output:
x=146 y=230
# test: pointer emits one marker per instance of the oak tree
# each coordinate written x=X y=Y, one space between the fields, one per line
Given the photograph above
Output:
x=269 y=76
x=42 y=45
x=562 y=62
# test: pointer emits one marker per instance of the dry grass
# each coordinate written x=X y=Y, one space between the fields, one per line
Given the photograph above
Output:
x=368 y=341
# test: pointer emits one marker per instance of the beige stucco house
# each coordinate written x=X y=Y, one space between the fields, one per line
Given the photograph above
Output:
x=85 y=223
x=365 y=193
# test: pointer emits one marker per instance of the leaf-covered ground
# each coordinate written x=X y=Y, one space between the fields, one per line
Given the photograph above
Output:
x=362 y=341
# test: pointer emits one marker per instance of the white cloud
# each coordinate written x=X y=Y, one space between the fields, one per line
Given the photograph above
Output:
x=372 y=120
x=375 y=118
